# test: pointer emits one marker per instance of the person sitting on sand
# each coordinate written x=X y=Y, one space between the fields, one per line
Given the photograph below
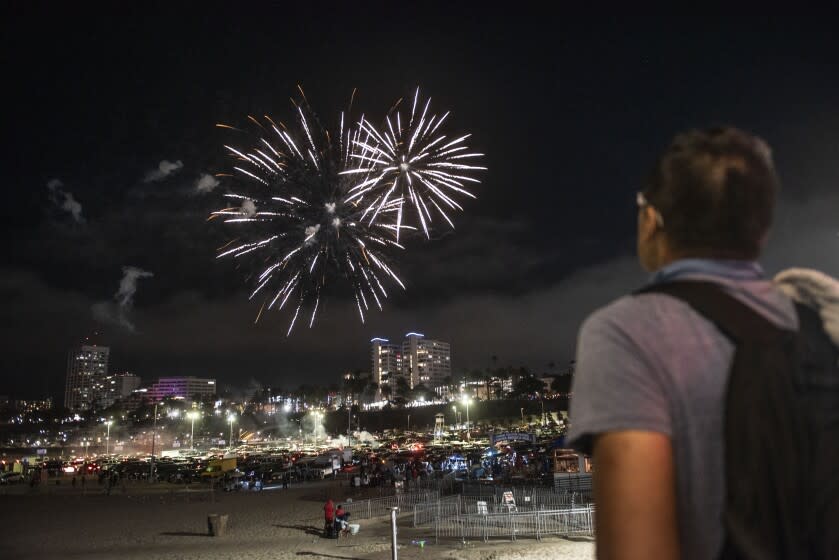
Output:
x=341 y=517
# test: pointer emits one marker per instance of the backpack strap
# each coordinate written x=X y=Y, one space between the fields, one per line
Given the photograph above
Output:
x=733 y=318
x=767 y=436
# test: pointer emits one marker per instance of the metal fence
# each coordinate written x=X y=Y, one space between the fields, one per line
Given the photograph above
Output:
x=426 y=512
x=572 y=482
x=375 y=507
x=512 y=525
x=523 y=499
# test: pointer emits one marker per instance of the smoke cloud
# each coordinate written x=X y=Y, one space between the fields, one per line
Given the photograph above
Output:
x=116 y=312
x=65 y=200
x=206 y=183
x=164 y=169
x=248 y=208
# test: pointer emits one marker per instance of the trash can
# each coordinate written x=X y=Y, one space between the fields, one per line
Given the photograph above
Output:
x=216 y=524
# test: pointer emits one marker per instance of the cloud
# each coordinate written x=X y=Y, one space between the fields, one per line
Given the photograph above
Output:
x=65 y=200
x=164 y=169
x=206 y=183
x=116 y=312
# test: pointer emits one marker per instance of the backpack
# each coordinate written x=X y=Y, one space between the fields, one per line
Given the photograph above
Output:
x=781 y=429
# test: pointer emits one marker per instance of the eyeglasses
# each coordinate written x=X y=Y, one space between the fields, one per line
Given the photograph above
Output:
x=642 y=202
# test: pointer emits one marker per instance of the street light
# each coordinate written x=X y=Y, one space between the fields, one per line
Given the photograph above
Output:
x=466 y=400
x=522 y=415
x=153 y=438
x=454 y=409
x=192 y=415
x=231 y=418
x=108 y=438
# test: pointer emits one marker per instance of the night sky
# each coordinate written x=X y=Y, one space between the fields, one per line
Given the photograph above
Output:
x=570 y=112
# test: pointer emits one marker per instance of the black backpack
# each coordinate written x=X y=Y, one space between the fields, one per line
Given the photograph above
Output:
x=781 y=429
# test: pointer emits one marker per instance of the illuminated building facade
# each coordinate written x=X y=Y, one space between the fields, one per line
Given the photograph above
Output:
x=188 y=388
x=87 y=368
x=387 y=362
x=425 y=361
x=421 y=361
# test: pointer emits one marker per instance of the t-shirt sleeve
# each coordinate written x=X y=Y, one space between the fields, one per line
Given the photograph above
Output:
x=615 y=384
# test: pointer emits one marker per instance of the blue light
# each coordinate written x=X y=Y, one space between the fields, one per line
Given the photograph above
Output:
x=415 y=334
x=379 y=340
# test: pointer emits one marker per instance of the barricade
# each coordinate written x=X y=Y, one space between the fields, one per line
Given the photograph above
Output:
x=376 y=507
x=516 y=524
x=426 y=512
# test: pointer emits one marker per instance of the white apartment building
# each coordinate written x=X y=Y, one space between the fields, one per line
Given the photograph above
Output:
x=420 y=360
x=387 y=361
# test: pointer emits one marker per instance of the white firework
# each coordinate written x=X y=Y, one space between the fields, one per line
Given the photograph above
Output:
x=300 y=226
x=411 y=164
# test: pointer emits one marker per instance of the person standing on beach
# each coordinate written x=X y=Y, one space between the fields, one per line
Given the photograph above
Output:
x=329 y=517
x=650 y=385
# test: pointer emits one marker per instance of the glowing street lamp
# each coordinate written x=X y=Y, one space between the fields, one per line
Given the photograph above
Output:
x=231 y=418
x=192 y=415
x=466 y=400
x=108 y=438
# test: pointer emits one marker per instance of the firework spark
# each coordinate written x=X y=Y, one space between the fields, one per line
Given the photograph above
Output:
x=411 y=163
x=300 y=221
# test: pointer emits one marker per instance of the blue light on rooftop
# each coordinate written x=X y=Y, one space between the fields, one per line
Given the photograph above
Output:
x=379 y=340
x=415 y=334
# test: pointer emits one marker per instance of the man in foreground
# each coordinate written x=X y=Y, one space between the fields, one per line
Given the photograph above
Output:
x=652 y=373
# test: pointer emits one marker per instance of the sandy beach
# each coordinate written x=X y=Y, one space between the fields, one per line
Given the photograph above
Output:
x=152 y=523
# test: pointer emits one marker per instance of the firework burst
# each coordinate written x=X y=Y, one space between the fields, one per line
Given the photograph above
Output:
x=301 y=223
x=410 y=162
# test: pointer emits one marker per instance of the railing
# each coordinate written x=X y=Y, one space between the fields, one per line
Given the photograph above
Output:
x=366 y=509
x=426 y=512
x=525 y=499
x=513 y=525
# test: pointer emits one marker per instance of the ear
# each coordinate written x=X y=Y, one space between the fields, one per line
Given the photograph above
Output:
x=647 y=223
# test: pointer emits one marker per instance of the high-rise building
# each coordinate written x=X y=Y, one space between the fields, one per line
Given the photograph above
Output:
x=87 y=367
x=424 y=361
x=419 y=360
x=387 y=362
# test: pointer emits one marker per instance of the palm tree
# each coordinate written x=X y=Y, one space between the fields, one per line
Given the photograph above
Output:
x=370 y=389
x=387 y=392
x=448 y=383
x=402 y=387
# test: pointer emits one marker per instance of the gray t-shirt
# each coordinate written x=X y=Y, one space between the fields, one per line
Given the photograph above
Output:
x=650 y=362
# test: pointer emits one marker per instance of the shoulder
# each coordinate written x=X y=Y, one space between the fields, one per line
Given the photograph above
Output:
x=633 y=314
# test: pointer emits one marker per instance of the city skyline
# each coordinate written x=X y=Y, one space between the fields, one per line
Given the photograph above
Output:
x=113 y=152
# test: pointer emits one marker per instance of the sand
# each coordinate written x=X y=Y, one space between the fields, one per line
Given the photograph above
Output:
x=156 y=523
